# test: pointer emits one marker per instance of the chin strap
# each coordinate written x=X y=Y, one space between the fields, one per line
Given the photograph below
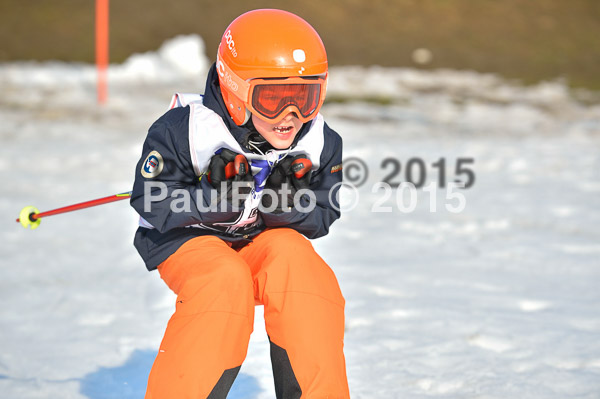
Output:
x=254 y=145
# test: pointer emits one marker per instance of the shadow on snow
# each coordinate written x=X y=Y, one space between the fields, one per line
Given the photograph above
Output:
x=129 y=380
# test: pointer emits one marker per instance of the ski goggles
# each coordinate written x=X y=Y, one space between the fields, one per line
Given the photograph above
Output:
x=271 y=99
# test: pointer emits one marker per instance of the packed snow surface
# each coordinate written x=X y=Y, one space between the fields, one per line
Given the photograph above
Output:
x=491 y=291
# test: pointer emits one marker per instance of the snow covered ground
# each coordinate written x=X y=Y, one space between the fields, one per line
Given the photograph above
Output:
x=498 y=300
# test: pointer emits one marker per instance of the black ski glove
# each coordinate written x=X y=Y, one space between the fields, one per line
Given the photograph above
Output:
x=288 y=176
x=230 y=171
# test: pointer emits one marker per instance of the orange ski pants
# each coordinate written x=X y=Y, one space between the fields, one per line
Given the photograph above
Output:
x=207 y=337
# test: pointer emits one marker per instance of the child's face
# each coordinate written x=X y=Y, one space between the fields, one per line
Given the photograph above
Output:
x=280 y=135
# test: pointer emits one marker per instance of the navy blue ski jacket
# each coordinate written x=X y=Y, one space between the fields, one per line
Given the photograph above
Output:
x=174 y=160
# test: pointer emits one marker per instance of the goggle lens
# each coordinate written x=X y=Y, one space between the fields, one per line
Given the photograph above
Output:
x=270 y=100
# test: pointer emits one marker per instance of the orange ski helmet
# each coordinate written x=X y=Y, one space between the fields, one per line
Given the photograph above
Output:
x=271 y=62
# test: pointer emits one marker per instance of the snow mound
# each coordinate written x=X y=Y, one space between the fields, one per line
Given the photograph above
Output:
x=179 y=59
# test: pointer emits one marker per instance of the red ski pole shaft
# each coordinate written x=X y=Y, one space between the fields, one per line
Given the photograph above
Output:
x=82 y=205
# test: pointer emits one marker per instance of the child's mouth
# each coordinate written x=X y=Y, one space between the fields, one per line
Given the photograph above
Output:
x=283 y=129
x=283 y=132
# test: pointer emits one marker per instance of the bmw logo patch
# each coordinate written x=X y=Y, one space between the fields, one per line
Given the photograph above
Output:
x=153 y=165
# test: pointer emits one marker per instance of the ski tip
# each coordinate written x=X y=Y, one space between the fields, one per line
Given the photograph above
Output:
x=27 y=219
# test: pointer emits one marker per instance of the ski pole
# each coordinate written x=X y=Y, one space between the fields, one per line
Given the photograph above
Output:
x=30 y=216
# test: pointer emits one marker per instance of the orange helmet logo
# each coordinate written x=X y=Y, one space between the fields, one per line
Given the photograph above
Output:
x=230 y=43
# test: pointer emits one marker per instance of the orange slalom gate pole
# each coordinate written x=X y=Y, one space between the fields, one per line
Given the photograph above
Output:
x=102 y=37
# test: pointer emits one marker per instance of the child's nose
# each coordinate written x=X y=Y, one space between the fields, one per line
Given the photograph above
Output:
x=289 y=116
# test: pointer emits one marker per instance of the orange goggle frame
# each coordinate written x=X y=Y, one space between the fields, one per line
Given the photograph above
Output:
x=271 y=99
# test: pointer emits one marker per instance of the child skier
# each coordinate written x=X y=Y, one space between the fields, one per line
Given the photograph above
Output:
x=228 y=185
